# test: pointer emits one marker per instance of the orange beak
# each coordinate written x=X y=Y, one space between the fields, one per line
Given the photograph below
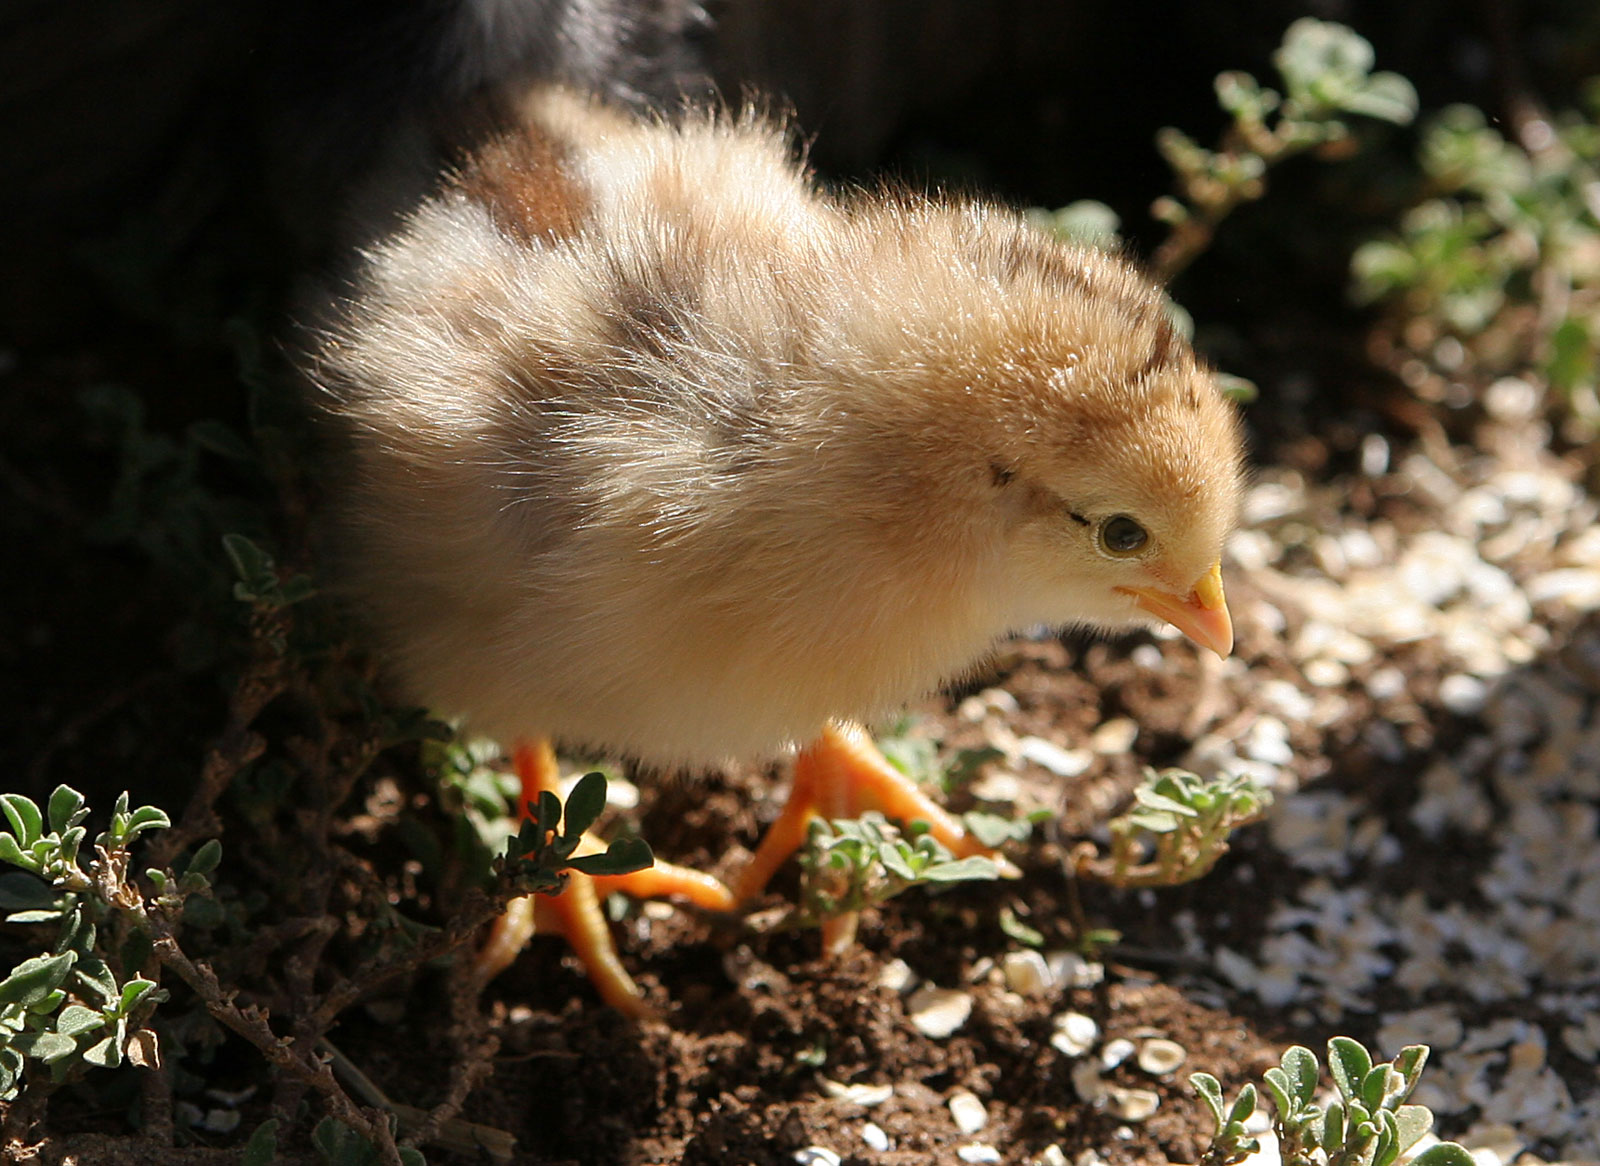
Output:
x=1203 y=616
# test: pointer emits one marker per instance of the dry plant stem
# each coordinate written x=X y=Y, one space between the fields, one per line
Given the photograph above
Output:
x=475 y=911
x=423 y=1126
x=251 y=1024
x=236 y=748
x=475 y=1047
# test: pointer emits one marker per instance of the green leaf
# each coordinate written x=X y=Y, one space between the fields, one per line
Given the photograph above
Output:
x=1386 y=96
x=585 y=803
x=1412 y=1122
x=146 y=818
x=1210 y=1091
x=92 y=973
x=1375 y=1086
x=33 y=979
x=133 y=992
x=1150 y=799
x=47 y=1003
x=1444 y=1154
x=262 y=1148
x=48 y=1047
x=623 y=856
x=26 y=821
x=1349 y=1063
x=340 y=1145
x=1278 y=1085
x=12 y=853
x=66 y=808
x=1016 y=929
x=1409 y=1064
x=1333 y=1126
x=24 y=892
x=993 y=830
x=896 y=862
x=75 y=1019
x=1300 y=1067
x=974 y=868
x=205 y=859
x=1244 y=1105
x=107 y=1054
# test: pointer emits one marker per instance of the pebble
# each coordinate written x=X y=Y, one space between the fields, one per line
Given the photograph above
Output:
x=978 y=1152
x=896 y=976
x=1027 y=973
x=872 y=1134
x=1115 y=1052
x=1059 y=761
x=1462 y=694
x=938 y=1012
x=1072 y=970
x=1577 y=587
x=1087 y=1082
x=862 y=1095
x=1134 y=1105
x=967 y=1111
x=817 y=1156
x=1075 y=1034
x=1114 y=737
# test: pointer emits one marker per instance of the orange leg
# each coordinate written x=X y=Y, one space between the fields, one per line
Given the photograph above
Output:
x=843 y=775
x=575 y=913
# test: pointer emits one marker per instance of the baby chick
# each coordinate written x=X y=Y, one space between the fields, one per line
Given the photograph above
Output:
x=653 y=446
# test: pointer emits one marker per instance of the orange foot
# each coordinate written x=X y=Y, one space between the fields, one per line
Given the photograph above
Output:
x=844 y=775
x=576 y=914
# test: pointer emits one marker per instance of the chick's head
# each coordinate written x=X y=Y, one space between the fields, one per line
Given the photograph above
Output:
x=1093 y=443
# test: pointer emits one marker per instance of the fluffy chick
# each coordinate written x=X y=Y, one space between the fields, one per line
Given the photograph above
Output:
x=656 y=447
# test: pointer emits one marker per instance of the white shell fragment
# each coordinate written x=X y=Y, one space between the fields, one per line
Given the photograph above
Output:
x=978 y=1152
x=1159 y=1056
x=1073 y=971
x=1115 y=1052
x=896 y=976
x=862 y=1095
x=872 y=1134
x=1087 y=1082
x=1074 y=1034
x=1133 y=1105
x=1059 y=761
x=968 y=1112
x=938 y=1012
x=1027 y=973
x=816 y=1156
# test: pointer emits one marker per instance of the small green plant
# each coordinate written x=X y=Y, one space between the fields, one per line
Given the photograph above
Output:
x=542 y=850
x=853 y=863
x=84 y=1004
x=1367 y=1123
x=1176 y=832
x=1503 y=252
x=1327 y=76
x=260 y=581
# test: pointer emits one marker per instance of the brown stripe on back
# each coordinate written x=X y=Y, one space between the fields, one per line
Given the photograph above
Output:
x=1164 y=349
x=523 y=178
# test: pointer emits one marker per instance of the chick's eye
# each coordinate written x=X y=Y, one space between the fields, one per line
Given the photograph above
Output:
x=1121 y=535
